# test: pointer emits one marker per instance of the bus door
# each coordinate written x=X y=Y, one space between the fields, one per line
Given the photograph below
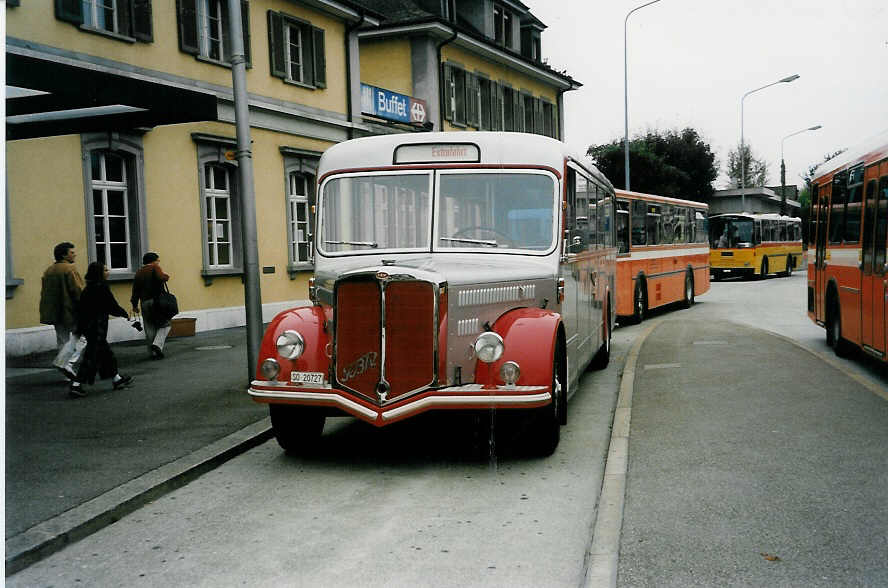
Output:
x=572 y=244
x=870 y=277
x=821 y=193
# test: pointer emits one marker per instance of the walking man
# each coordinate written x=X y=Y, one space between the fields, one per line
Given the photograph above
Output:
x=147 y=284
x=59 y=293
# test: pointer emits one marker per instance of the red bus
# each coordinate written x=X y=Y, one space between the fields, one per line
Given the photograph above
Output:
x=847 y=277
x=663 y=253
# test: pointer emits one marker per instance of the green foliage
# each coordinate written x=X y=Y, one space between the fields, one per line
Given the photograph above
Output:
x=756 y=170
x=672 y=163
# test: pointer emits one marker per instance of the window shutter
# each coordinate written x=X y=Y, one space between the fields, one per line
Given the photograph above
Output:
x=68 y=10
x=245 y=20
x=447 y=98
x=187 y=16
x=499 y=106
x=519 y=110
x=276 y=45
x=140 y=21
x=320 y=58
x=471 y=100
x=307 y=54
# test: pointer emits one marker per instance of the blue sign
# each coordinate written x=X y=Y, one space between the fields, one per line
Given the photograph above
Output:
x=392 y=105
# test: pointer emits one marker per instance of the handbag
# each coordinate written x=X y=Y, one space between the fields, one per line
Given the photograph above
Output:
x=165 y=304
x=71 y=351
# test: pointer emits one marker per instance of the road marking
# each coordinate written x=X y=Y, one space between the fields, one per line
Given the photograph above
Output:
x=661 y=366
x=603 y=555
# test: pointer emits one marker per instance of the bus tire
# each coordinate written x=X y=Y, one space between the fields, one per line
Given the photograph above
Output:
x=788 y=271
x=297 y=428
x=639 y=302
x=688 y=291
x=602 y=357
x=764 y=274
x=841 y=347
x=545 y=422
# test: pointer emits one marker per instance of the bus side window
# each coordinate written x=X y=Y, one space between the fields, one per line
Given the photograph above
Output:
x=623 y=226
x=757 y=233
x=639 y=211
x=579 y=229
x=853 y=207
x=881 y=225
x=594 y=237
x=837 y=208
x=653 y=220
x=783 y=235
x=702 y=227
x=606 y=219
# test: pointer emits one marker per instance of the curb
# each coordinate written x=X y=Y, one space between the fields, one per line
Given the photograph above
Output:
x=50 y=536
x=604 y=551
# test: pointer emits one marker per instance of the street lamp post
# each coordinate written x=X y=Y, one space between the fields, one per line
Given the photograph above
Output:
x=626 y=90
x=742 y=157
x=783 y=166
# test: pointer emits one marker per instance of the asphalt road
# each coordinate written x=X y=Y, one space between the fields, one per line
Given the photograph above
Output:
x=726 y=464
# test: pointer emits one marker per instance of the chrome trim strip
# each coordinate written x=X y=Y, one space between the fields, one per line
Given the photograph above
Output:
x=474 y=400
x=316 y=396
x=850 y=289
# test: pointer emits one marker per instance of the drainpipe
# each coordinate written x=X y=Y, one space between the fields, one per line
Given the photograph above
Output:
x=350 y=132
x=440 y=67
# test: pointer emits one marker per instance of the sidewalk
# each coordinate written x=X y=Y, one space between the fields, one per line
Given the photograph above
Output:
x=64 y=454
x=753 y=462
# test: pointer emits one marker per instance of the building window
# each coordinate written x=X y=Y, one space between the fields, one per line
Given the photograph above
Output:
x=204 y=29
x=110 y=210
x=114 y=201
x=528 y=102
x=300 y=171
x=299 y=215
x=125 y=18
x=509 y=109
x=297 y=50
x=487 y=103
x=217 y=199
x=502 y=26
x=454 y=94
x=548 y=119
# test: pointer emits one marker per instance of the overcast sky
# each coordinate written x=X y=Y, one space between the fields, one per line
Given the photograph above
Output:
x=691 y=61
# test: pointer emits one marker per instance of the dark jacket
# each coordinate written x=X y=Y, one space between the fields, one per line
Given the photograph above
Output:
x=96 y=304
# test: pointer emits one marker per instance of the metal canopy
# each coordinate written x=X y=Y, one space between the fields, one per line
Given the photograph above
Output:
x=59 y=99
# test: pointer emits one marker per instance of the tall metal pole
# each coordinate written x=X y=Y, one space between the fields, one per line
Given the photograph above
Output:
x=252 y=294
x=783 y=167
x=626 y=90
x=742 y=155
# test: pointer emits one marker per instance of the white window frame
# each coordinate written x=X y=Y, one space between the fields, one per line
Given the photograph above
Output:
x=104 y=186
x=205 y=26
x=91 y=10
x=289 y=29
x=298 y=227
x=211 y=195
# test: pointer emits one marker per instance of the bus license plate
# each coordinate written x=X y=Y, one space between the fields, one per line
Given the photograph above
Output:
x=307 y=377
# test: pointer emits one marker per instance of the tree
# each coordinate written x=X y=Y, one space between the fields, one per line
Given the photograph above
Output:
x=756 y=170
x=672 y=163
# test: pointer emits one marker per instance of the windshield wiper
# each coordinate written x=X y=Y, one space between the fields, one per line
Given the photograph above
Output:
x=473 y=241
x=372 y=244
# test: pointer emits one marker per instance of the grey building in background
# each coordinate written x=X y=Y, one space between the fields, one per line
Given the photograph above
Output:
x=758 y=200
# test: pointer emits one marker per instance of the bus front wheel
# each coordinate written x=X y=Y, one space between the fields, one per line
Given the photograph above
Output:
x=639 y=303
x=834 y=331
x=764 y=274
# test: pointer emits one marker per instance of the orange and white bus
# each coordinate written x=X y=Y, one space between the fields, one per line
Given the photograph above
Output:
x=663 y=253
x=750 y=245
x=847 y=273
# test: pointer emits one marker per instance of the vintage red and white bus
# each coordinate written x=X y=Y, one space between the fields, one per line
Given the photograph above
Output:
x=453 y=271
x=847 y=272
x=663 y=253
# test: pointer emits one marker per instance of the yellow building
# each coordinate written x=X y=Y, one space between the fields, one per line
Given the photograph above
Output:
x=121 y=135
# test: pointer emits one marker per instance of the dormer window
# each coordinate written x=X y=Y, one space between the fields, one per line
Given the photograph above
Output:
x=502 y=26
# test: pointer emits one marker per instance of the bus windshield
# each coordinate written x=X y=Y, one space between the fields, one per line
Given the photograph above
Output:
x=367 y=213
x=728 y=232
x=495 y=211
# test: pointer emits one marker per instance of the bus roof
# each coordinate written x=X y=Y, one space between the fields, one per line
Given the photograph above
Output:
x=454 y=148
x=663 y=199
x=873 y=149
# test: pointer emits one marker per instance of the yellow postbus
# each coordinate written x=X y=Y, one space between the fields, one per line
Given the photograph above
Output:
x=754 y=245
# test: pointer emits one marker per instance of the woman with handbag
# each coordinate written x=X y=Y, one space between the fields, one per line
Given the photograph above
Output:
x=96 y=304
x=148 y=284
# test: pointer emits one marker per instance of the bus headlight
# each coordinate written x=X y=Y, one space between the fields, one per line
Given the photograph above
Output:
x=489 y=347
x=510 y=372
x=270 y=369
x=290 y=344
